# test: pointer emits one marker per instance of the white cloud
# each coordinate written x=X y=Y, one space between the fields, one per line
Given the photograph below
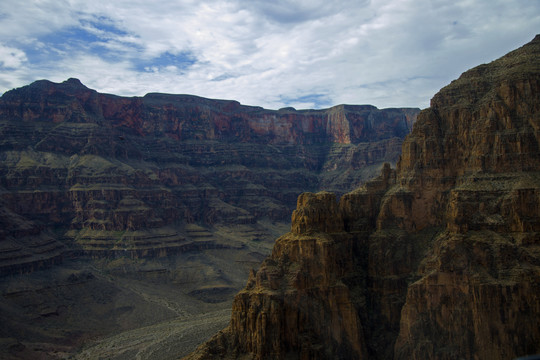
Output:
x=11 y=58
x=271 y=54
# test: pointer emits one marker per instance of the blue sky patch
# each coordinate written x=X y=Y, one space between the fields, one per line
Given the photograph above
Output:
x=90 y=36
x=104 y=24
x=223 y=77
x=319 y=100
x=182 y=61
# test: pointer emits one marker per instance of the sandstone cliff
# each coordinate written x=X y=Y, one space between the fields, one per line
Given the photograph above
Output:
x=110 y=176
x=439 y=259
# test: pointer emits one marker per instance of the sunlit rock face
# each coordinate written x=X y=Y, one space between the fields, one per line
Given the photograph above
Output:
x=438 y=259
x=109 y=176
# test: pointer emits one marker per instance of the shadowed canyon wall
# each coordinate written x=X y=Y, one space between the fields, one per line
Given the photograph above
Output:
x=438 y=259
x=109 y=176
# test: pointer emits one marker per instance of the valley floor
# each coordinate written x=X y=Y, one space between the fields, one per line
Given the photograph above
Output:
x=129 y=308
x=167 y=340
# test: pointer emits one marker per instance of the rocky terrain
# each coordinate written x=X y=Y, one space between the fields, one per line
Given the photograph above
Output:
x=115 y=175
x=437 y=259
x=107 y=203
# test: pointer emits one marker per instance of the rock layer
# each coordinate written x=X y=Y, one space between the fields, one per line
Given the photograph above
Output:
x=438 y=259
x=104 y=175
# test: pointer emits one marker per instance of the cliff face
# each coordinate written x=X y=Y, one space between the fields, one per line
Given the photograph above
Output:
x=439 y=259
x=109 y=176
x=478 y=283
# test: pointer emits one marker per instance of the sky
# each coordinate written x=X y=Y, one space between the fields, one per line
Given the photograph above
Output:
x=269 y=53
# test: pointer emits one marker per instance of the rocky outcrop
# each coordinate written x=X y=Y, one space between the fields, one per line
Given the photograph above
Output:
x=476 y=296
x=103 y=175
x=297 y=289
x=438 y=259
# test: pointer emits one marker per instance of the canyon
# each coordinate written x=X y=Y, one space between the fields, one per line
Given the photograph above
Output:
x=438 y=258
x=121 y=213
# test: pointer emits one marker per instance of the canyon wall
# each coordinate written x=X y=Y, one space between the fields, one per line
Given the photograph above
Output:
x=438 y=259
x=107 y=176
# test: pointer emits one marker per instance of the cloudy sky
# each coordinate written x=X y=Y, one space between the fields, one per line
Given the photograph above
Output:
x=270 y=53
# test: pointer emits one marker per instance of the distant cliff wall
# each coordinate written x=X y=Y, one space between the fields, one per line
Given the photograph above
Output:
x=90 y=172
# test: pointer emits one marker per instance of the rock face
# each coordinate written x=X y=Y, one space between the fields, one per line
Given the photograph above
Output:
x=167 y=200
x=106 y=176
x=438 y=259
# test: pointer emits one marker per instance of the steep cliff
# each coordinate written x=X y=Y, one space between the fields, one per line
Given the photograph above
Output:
x=439 y=259
x=109 y=176
x=477 y=295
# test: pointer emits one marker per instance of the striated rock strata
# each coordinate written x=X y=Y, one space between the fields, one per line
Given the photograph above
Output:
x=438 y=259
x=106 y=176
